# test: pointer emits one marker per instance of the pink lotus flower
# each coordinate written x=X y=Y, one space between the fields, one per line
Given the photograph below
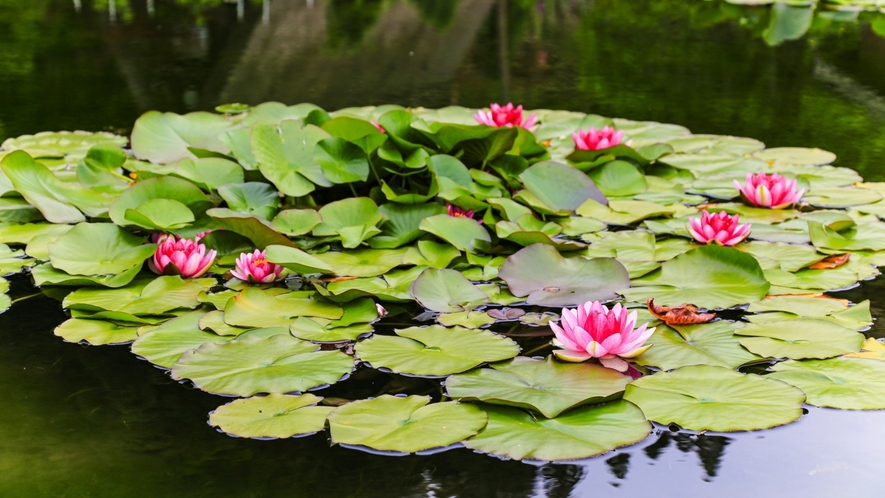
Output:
x=177 y=256
x=594 y=139
x=594 y=331
x=770 y=191
x=377 y=125
x=506 y=116
x=255 y=268
x=718 y=228
x=456 y=212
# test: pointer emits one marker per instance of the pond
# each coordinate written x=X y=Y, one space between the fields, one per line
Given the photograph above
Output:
x=94 y=421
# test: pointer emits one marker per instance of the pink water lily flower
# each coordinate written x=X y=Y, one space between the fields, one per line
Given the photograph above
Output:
x=594 y=331
x=255 y=268
x=594 y=139
x=505 y=116
x=770 y=191
x=178 y=256
x=456 y=212
x=718 y=228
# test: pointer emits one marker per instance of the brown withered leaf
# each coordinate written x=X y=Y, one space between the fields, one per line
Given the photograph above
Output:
x=832 y=261
x=685 y=314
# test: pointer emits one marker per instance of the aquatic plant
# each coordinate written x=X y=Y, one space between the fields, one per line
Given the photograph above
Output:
x=770 y=191
x=593 y=139
x=593 y=331
x=505 y=116
x=718 y=228
x=180 y=256
x=254 y=268
x=376 y=226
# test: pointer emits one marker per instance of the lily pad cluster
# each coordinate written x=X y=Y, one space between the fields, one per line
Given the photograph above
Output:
x=433 y=251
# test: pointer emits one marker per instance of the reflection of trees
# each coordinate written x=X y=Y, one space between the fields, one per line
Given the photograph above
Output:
x=619 y=465
x=709 y=449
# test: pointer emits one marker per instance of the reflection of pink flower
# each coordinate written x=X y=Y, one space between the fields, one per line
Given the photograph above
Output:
x=255 y=268
x=770 y=191
x=506 y=116
x=376 y=125
x=594 y=331
x=177 y=256
x=719 y=228
x=594 y=139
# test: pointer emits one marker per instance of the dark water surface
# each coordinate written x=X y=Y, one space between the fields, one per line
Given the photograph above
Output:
x=96 y=422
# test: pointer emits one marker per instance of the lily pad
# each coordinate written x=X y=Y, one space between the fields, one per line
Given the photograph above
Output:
x=362 y=262
x=257 y=308
x=710 y=398
x=353 y=219
x=796 y=155
x=296 y=260
x=95 y=332
x=705 y=344
x=405 y=425
x=162 y=187
x=559 y=186
x=98 y=249
x=435 y=350
x=153 y=297
x=463 y=233
x=845 y=383
x=467 y=319
x=548 y=279
x=578 y=434
x=251 y=365
x=447 y=291
x=319 y=330
x=273 y=416
x=800 y=339
x=709 y=277
x=164 y=345
x=547 y=386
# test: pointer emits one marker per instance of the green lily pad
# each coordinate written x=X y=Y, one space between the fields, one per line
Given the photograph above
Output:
x=45 y=274
x=435 y=350
x=58 y=201
x=320 y=330
x=341 y=161
x=162 y=215
x=704 y=344
x=813 y=280
x=164 y=345
x=362 y=262
x=167 y=137
x=710 y=398
x=98 y=249
x=467 y=319
x=296 y=260
x=841 y=197
x=294 y=222
x=251 y=365
x=153 y=297
x=800 y=339
x=578 y=434
x=285 y=156
x=463 y=233
x=403 y=220
x=256 y=229
x=622 y=212
x=406 y=425
x=548 y=279
x=272 y=416
x=559 y=186
x=62 y=143
x=787 y=257
x=353 y=219
x=709 y=277
x=12 y=261
x=95 y=332
x=25 y=233
x=845 y=383
x=863 y=237
x=796 y=155
x=447 y=291
x=618 y=178
x=162 y=187
x=430 y=253
x=547 y=386
x=214 y=321
x=257 y=308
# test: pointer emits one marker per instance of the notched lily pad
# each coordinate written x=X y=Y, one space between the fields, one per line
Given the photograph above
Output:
x=271 y=417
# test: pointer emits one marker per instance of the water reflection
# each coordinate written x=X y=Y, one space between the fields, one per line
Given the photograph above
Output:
x=709 y=449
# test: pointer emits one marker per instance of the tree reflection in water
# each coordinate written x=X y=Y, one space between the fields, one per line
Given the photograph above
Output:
x=710 y=449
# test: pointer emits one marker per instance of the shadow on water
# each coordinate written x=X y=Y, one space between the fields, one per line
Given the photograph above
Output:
x=82 y=421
